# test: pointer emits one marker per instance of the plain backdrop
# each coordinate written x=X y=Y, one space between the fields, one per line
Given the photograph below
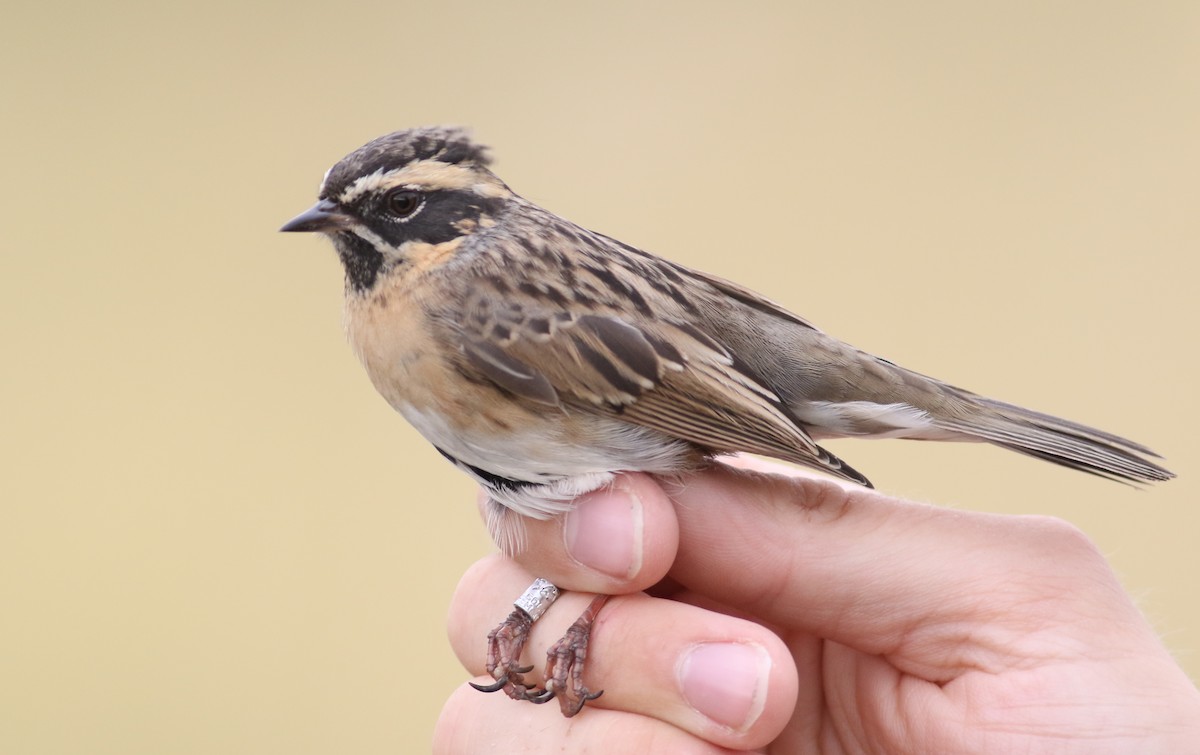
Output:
x=216 y=538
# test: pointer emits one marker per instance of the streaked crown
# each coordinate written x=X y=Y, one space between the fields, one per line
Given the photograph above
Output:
x=444 y=144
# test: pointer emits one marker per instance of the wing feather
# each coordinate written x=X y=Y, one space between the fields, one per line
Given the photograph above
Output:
x=663 y=375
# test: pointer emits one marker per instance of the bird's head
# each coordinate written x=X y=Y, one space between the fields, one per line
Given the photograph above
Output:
x=404 y=197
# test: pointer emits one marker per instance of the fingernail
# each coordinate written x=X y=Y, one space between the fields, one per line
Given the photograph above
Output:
x=603 y=531
x=726 y=681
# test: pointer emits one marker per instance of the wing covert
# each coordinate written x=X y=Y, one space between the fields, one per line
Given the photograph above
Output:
x=668 y=376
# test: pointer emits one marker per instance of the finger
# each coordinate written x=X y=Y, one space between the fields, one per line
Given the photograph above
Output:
x=887 y=576
x=616 y=540
x=472 y=723
x=729 y=681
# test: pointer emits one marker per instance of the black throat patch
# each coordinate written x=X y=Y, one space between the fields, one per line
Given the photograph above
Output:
x=361 y=260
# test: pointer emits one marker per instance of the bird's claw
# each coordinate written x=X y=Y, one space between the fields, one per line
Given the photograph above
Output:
x=565 y=662
x=505 y=644
x=493 y=687
x=544 y=696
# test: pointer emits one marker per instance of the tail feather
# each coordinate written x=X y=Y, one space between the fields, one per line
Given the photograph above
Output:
x=1050 y=421
x=1062 y=442
x=1073 y=464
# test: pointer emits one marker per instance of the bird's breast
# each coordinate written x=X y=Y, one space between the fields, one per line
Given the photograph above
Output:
x=389 y=332
x=413 y=368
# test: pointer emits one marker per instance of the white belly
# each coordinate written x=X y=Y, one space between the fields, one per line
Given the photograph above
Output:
x=541 y=454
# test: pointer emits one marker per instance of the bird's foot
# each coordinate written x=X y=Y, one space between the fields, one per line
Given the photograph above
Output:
x=505 y=644
x=565 y=661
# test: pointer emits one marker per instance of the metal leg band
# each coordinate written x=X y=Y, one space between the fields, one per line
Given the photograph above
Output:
x=537 y=598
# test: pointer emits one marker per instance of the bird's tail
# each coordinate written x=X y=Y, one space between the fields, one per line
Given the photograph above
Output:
x=1060 y=441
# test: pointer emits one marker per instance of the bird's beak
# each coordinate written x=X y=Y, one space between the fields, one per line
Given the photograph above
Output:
x=323 y=217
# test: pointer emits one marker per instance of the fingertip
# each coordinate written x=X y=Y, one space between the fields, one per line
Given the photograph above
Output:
x=604 y=530
x=726 y=680
x=739 y=682
x=620 y=539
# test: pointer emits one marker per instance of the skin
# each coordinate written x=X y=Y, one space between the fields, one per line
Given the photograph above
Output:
x=883 y=626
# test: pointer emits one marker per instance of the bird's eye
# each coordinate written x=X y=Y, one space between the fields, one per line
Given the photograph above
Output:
x=402 y=203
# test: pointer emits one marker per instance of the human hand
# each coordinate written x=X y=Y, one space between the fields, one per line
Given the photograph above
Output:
x=795 y=614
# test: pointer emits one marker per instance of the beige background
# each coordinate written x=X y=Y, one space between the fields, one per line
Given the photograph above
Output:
x=214 y=536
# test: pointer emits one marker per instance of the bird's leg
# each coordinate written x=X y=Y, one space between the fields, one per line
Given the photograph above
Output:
x=506 y=642
x=565 y=661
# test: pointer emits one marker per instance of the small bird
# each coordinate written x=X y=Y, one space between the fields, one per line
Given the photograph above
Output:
x=542 y=358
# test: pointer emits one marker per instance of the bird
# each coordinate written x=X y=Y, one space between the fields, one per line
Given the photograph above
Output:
x=542 y=359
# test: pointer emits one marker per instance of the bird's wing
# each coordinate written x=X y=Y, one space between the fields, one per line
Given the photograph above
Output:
x=658 y=373
x=658 y=265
